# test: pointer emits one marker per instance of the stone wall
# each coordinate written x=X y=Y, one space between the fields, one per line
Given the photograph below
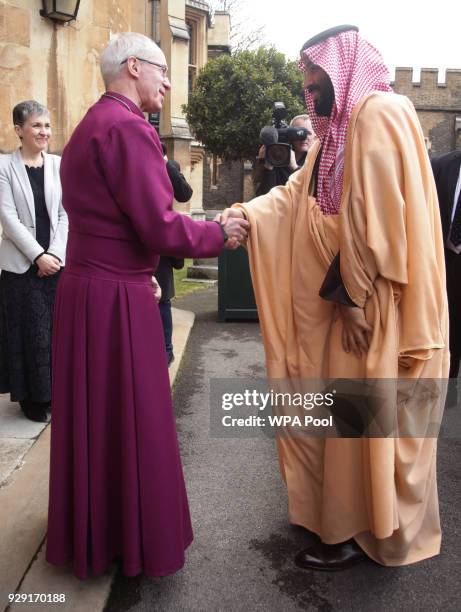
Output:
x=57 y=64
x=219 y=35
x=438 y=105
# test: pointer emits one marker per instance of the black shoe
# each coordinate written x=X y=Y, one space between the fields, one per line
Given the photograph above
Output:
x=34 y=411
x=170 y=359
x=330 y=557
x=46 y=406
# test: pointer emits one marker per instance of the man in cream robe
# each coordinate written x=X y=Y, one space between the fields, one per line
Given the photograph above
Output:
x=363 y=207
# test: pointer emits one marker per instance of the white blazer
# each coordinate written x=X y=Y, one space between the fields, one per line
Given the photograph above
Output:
x=18 y=247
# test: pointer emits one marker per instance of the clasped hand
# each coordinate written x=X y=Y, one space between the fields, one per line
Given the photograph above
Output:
x=47 y=265
x=235 y=226
x=355 y=330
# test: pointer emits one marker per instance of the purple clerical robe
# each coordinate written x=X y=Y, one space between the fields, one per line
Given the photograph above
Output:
x=116 y=482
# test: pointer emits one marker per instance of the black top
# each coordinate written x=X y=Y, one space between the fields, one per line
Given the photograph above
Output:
x=164 y=275
x=183 y=193
x=181 y=188
x=42 y=219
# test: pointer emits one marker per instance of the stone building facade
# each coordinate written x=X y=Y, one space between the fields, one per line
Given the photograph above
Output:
x=438 y=105
x=184 y=31
x=58 y=65
x=222 y=181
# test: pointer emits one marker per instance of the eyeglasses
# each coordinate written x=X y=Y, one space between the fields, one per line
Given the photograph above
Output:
x=162 y=67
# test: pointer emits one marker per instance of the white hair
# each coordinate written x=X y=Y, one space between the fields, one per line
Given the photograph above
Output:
x=120 y=48
x=303 y=117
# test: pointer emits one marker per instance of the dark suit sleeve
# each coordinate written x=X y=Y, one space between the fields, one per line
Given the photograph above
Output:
x=181 y=188
x=445 y=189
x=435 y=163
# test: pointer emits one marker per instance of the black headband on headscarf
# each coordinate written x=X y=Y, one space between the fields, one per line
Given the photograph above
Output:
x=327 y=34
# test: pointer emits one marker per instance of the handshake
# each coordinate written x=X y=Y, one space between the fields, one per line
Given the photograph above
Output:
x=235 y=225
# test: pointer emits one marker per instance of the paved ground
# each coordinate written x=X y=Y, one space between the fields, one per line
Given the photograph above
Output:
x=241 y=558
x=24 y=467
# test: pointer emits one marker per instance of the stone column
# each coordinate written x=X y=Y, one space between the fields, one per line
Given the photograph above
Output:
x=196 y=175
x=174 y=131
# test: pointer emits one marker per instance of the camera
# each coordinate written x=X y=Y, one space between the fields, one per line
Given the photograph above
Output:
x=278 y=137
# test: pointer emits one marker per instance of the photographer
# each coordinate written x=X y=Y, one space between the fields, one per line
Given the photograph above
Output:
x=266 y=175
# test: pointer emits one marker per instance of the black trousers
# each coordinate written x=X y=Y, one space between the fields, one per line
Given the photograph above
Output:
x=453 y=263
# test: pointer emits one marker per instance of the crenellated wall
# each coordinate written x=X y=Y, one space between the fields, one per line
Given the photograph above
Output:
x=437 y=99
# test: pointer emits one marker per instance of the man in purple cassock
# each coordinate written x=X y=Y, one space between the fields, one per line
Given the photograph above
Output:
x=116 y=482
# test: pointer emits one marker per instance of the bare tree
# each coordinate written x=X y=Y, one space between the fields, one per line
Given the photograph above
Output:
x=244 y=34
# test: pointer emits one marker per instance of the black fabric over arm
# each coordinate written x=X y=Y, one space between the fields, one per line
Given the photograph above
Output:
x=272 y=178
x=332 y=288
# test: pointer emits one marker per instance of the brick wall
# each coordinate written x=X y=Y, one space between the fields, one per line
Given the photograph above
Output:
x=228 y=188
x=438 y=104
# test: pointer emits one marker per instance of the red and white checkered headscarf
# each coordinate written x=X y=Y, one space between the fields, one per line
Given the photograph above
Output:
x=355 y=68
